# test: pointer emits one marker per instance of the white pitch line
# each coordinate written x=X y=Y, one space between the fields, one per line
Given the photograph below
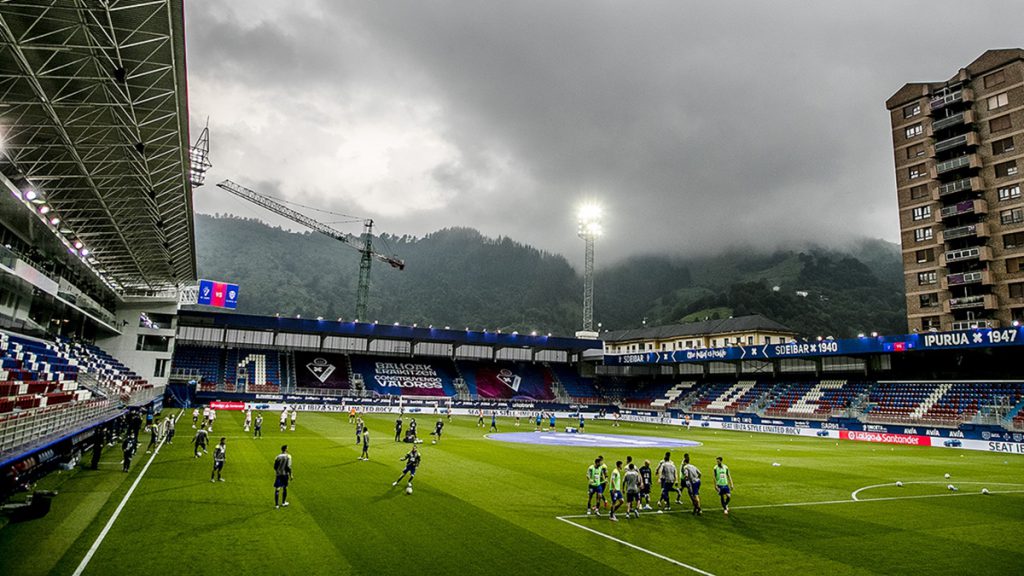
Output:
x=635 y=547
x=853 y=494
x=117 y=512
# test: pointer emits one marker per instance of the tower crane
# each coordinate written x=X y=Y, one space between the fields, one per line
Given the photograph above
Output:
x=364 y=243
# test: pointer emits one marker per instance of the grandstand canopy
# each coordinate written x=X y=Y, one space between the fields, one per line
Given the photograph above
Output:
x=412 y=334
x=94 y=119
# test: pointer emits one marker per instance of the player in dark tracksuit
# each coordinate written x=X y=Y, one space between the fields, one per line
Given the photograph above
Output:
x=366 y=445
x=437 y=430
x=412 y=462
x=128 y=450
x=398 y=429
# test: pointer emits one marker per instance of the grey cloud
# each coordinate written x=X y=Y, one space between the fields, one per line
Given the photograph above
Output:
x=701 y=125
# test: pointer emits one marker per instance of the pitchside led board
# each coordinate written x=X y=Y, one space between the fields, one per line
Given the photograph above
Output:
x=219 y=294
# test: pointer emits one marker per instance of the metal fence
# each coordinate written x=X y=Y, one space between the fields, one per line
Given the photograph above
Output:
x=20 y=429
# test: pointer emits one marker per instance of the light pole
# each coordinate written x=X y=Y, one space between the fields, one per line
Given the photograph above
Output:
x=589 y=229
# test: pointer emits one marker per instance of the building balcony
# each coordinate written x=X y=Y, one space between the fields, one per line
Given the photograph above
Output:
x=961 y=185
x=961 y=140
x=976 y=206
x=965 y=117
x=958 y=163
x=967 y=278
x=972 y=324
x=940 y=102
x=979 y=230
x=981 y=301
x=980 y=253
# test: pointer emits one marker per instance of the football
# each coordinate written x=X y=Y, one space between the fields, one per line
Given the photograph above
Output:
x=899 y=484
x=951 y=487
x=984 y=490
x=947 y=476
x=408 y=489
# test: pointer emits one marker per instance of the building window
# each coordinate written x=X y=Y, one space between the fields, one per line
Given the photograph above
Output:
x=930 y=323
x=926 y=255
x=1014 y=240
x=918 y=192
x=929 y=300
x=922 y=234
x=1006 y=169
x=998 y=101
x=1011 y=216
x=999 y=124
x=1016 y=290
x=921 y=213
x=912 y=110
x=1014 y=265
x=1017 y=315
x=1002 y=146
x=152 y=343
x=915 y=151
x=917 y=171
x=1009 y=192
x=914 y=131
x=927 y=278
x=160 y=370
x=995 y=79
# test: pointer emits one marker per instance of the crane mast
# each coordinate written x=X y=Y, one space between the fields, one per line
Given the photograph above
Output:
x=363 y=244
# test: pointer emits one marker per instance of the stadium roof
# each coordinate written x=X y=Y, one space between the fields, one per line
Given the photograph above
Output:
x=188 y=317
x=752 y=323
x=94 y=119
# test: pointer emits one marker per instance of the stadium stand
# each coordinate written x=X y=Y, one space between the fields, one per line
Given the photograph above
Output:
x=200 y=363
x=404 y=376
x=507 y=380
x=106 y=371
x=34 y=374
x=937 y=403
x=579 y=389
x=250 y=370
x=815 y=399
x=715 y=398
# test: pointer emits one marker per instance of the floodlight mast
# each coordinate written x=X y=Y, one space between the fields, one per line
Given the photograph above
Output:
x=363 y=244
x=589 y=229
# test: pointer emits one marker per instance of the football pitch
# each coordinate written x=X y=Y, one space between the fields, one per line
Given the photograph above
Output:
x=482 y=506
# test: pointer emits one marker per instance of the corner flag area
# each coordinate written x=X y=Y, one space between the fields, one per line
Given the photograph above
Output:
x=800 y=505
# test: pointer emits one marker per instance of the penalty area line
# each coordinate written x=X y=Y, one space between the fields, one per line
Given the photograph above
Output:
x=117 y=512
x=635 y=547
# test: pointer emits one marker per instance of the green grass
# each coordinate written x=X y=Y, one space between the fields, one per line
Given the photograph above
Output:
x=482 y=506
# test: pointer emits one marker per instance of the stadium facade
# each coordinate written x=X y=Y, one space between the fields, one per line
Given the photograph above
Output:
x=958 y=154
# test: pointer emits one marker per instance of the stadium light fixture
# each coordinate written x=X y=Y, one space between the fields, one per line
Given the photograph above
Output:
x=78 y=244
x=396 y=324
x=44 y=209
x=1016 y=323
x=54 y=221
x=588 y=228
x=31 y=195
x=298 y=315
x=874 y=334
x=319 y=318
x=84 y=252
x=533 y=333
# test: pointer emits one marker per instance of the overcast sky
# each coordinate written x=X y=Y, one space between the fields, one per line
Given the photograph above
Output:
x=698 y=125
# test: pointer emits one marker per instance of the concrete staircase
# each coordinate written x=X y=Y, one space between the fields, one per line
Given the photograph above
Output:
x=671 y=396
x=731 y=395
x=930 y=401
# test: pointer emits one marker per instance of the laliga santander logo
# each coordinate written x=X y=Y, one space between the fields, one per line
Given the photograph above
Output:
x=321 y=368
x=509 y=379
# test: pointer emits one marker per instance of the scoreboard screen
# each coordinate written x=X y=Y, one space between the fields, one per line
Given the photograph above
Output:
x=219 y=294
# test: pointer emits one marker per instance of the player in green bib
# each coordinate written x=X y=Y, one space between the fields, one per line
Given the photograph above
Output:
x=616 y=481
x=723 y=483
x=596 y=478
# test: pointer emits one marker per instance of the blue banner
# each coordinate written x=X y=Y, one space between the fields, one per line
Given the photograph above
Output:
x=981 y=338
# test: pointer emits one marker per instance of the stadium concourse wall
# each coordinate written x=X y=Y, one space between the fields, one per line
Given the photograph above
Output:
x=967 y=437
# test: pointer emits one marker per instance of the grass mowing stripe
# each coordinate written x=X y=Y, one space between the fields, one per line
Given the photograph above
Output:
x=635 y=547
x=117 y=512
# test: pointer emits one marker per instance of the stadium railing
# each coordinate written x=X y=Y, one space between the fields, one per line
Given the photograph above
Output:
x=21 y=429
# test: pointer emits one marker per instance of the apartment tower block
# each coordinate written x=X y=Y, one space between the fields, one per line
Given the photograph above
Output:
x=959 y=150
